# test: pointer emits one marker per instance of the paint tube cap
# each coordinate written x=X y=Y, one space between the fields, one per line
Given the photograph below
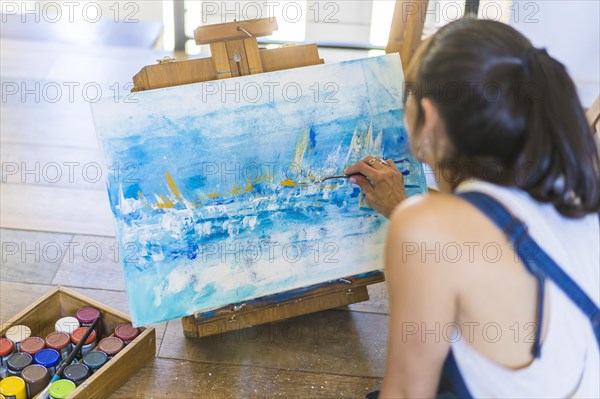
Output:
x=67 y=325
x=12 y=386
x=6 y=346
x=87 y=314
x=47 y=357
x=95 y=359
x=61 y=389
x=18 y=333
x=76 y=372
x=57 y=340
x=32 y=345
x=18 y=361
x=78 y=334
x=126 y=332
x=111 y=345
x=34 y=372
x=36 y=377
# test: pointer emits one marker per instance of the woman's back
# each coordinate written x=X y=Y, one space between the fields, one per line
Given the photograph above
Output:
x=568 y=345
x=457 y=282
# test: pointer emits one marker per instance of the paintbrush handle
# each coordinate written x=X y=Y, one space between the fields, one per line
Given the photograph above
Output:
x=338 y=177
x=69 y=359
x=80 y=344
x=355 y=174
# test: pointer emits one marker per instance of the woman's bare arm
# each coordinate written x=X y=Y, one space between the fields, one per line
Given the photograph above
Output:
x=422 y=301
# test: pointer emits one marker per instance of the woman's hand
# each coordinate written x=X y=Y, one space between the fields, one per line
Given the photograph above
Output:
x=381 y=181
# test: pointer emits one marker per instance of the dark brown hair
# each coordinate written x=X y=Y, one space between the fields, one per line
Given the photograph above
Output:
x=511 y=113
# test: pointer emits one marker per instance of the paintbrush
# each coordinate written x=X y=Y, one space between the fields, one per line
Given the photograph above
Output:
x=69 y=359
x=347 y=176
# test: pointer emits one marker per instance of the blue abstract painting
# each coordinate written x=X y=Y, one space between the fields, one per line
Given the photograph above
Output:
x=215 y=186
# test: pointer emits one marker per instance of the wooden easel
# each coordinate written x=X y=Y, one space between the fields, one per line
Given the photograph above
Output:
x=593 y=116
x=407 y=28
x=235 y=52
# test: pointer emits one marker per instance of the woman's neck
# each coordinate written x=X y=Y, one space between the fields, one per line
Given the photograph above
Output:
x=444 y=181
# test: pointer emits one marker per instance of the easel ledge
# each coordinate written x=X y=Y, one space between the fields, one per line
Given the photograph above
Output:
x=235 y=52
x=281 y=306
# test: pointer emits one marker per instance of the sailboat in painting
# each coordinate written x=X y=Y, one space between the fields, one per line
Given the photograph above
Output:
x=216 y=214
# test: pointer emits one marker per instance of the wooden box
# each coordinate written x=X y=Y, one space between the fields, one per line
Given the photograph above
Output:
x=60 y=302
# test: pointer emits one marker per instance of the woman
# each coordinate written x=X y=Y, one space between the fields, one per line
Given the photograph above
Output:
x=492 y=114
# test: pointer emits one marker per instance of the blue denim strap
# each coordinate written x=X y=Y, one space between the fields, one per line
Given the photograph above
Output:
x=534 y=258
x=452 y=384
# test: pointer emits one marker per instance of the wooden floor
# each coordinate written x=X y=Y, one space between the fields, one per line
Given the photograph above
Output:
x=58 y=230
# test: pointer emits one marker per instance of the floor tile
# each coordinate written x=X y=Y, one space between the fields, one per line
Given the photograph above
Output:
x=56 y=209
x=53 y=166
x=15 y=297
x=352 y=343
x=31 y=256
x=38 y=121
x=92 y=262
x=378 y=300
x=169 y=378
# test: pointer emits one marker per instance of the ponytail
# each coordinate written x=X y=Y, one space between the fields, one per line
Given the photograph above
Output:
x=559 y=147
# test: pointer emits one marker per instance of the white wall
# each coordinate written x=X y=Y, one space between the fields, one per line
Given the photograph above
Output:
x=570 y=30
x=312 y=20
x=85 y=10
x=441 y=12
x=339 y=21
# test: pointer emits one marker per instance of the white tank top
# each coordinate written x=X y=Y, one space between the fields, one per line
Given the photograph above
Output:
x=569 y=366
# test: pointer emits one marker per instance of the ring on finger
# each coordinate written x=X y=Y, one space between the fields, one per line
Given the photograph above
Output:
x=381 y=161
x=372 y=161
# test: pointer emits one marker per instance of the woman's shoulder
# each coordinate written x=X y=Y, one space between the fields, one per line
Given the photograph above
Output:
x=435 y=216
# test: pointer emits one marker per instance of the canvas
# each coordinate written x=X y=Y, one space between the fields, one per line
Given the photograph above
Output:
x=214 y=186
